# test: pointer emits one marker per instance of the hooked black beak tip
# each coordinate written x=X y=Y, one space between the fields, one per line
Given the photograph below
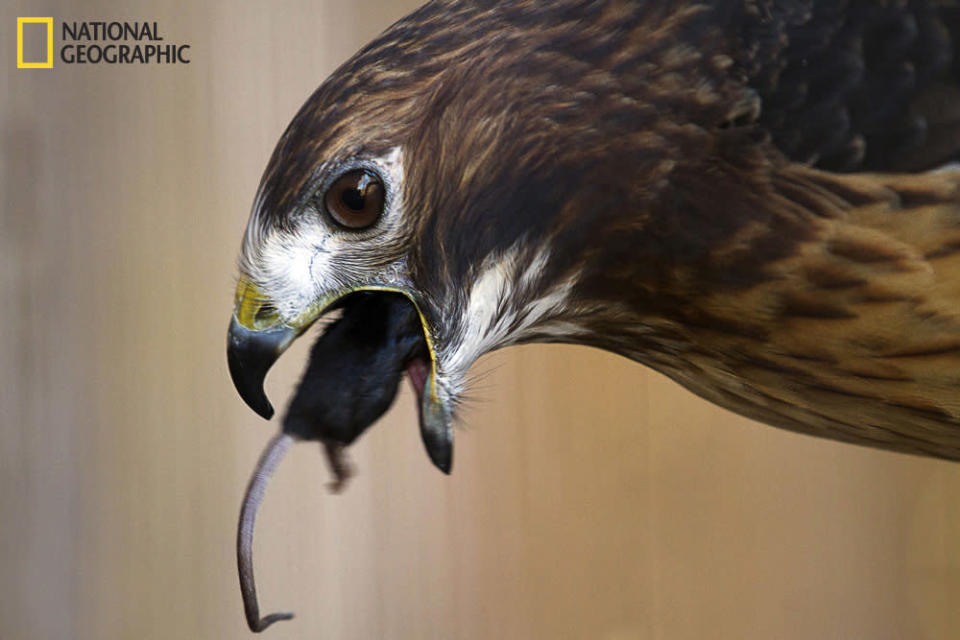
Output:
x=440 y=449
x=250 y=354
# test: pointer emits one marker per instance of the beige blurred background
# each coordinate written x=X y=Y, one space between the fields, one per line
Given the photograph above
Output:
x=591 y=498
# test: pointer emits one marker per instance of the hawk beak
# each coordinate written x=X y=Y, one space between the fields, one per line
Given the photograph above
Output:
x=435 y=420
x=256 y=338
x=435 y=428
x=250 y=354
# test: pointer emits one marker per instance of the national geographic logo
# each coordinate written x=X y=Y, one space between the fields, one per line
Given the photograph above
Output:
x=47 y=62
x=95 y=42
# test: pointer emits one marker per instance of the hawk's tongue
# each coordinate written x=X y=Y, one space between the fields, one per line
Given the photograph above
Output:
x=417 y=371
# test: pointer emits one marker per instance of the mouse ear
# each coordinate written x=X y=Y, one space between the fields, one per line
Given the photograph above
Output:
x=274 y=452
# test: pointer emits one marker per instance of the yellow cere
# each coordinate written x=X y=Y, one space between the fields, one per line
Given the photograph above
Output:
x=251 y=307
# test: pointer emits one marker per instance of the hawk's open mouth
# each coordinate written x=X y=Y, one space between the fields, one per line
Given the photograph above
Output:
x=354 y=369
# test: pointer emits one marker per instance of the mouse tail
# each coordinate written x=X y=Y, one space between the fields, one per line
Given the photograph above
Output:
x=269 y=460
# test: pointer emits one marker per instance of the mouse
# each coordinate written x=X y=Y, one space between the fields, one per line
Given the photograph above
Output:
x=353 y=373
x=351 y=379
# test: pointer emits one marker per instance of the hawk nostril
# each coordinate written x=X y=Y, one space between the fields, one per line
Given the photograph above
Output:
x=265 y=312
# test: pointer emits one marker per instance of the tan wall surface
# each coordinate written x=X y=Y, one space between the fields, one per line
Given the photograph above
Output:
x=591 y=498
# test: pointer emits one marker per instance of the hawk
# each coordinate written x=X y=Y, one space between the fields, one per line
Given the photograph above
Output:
x=752 y=197
x=758 y=198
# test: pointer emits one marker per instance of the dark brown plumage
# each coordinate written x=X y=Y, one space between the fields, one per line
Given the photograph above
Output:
x=738 y=194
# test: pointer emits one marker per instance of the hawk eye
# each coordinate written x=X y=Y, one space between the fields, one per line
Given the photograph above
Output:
x=355 y=200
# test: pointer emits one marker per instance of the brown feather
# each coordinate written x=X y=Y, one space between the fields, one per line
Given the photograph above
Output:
x=860 y=335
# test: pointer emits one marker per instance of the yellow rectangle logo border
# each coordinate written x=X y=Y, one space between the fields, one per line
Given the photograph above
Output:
x=48 y=64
